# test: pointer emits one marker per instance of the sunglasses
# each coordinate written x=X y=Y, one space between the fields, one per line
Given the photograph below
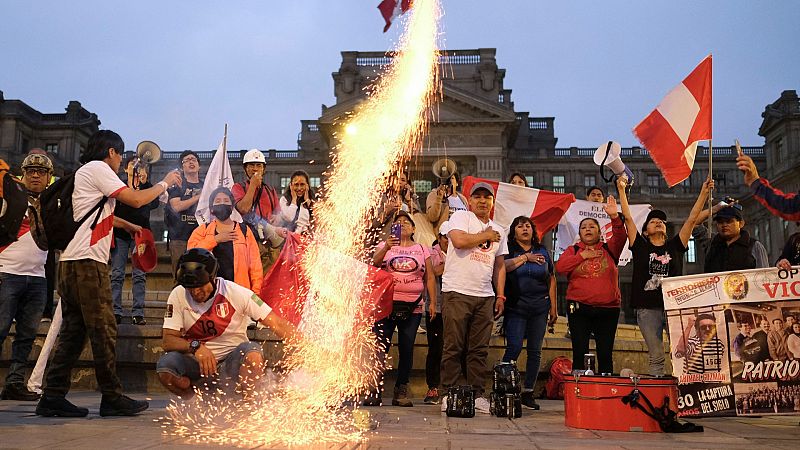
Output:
x=707 y=327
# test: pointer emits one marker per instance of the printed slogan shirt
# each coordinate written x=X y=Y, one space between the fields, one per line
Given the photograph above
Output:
x=469 y=271
x=220 y=323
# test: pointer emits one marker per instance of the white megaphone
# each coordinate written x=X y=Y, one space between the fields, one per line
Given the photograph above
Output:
x=608 y=154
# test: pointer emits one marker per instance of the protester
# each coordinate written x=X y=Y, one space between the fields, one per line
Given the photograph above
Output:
x=50 y=265
x=593 y=295
x=732 y=248
x=297 y=203
x=232 y=244
x=443 y=201
x=785 y=206
x=131 y=221
x=595 y=194
x=434 y=326
x=400 y=196
x=776 y=341
x=793 y=342
x=655 y=257
x=179 y=212
x=205 y=330
x=23 y=286
x=257 y=202
x=703 y=351
x=531 y=304
x=518 y=179
x=474 y=262
x=790 y=256
x=84 y=281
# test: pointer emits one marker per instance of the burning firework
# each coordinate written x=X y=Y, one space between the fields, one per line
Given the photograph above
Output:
x=337 y=362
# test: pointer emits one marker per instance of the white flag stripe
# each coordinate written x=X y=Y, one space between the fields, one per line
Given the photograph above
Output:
x=680 y=109
x=512 y=201
x=689 y=153
x=219 y=174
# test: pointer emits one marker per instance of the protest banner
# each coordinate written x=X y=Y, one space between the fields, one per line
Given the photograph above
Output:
x=735 y=341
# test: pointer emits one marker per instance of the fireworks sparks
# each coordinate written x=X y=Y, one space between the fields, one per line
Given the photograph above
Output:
x=336 y=362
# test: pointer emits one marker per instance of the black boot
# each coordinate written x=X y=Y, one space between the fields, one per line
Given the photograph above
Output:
x=400 y=397
x=528 y=401
x=18 y=391
x=122 y=406
x=59 y=407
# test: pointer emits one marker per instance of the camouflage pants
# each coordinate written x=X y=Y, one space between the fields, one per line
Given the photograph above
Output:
x=269 y=256
x=86 y=308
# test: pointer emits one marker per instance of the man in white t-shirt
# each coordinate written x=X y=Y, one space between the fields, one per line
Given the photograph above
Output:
x=23 y=285
x=474 y=262
x=205 y=329
x=84 y=282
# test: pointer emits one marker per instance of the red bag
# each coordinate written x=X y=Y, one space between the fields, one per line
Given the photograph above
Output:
x=559 y=369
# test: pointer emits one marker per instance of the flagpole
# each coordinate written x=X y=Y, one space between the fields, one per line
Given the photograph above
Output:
x=225 y=151
x=711 y=176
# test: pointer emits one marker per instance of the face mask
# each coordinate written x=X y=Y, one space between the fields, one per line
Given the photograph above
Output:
x=222 y=212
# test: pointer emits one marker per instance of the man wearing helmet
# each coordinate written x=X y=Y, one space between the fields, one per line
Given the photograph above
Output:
x=257 y=201
x=23 y=285
x=205 y=329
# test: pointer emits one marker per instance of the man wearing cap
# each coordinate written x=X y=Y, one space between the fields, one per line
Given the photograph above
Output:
x=257 y=202
x=474 y=261
x=179 y=215
x=205 y=330
x=130 y=222
x=23 y=286
x=654 y=257
x=732 y=248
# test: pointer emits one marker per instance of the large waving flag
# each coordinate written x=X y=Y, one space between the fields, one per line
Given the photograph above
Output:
x=671 y=132
x=545 y=208
x=219 y=174
x=392 y=9
x=284 y=287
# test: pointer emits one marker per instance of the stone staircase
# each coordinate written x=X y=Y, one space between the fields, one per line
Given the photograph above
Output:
x=139 y=346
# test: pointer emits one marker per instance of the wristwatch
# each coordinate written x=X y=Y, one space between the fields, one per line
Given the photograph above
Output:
x=193 y=346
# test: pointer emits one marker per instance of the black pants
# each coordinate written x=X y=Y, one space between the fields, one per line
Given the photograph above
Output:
x=50 y=275
x=585 y=320
x=433 y=362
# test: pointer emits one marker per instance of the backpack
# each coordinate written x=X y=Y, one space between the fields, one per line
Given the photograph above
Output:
x=13 y=204
x=55 y=225
x=559 y=369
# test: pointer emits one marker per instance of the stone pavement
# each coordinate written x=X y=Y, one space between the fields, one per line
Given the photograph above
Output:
x=410 y=428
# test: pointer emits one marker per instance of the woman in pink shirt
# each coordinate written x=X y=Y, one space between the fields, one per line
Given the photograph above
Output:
x=410 y=265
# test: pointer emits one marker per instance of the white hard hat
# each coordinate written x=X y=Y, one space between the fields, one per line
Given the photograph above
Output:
x=254 y=156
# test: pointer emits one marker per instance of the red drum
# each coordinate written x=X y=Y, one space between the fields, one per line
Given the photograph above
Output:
x=597 y=403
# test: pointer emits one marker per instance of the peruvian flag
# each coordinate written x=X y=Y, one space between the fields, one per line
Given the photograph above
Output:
x=285 y=286
x=671 y=132
x=545 y=208
x=392 y=9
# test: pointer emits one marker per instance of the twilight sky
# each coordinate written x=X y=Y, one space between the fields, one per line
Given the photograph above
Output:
x=176 y=71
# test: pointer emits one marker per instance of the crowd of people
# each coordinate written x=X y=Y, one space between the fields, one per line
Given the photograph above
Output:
x=460 y=279
x=779 y=399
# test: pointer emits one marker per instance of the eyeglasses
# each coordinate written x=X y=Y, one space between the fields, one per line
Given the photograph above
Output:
x=36 y=171
x=707 y=327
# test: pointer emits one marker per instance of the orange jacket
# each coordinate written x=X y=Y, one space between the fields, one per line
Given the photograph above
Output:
x=246 y=259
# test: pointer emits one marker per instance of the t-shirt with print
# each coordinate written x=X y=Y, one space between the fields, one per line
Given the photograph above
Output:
x=181 y=224
x=221 y=322
x=651 y=263
x=456 y=204
x=93 y=181
x=23 y=256
x=407 y=266
x=469 y=271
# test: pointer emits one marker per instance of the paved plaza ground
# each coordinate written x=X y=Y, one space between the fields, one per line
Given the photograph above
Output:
x=412 y=428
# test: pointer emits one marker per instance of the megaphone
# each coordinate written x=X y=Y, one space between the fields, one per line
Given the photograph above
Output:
x=444 y=168
x=147 y=152
x=608 y=154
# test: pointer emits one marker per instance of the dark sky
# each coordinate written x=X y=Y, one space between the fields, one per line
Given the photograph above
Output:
x=176 y=71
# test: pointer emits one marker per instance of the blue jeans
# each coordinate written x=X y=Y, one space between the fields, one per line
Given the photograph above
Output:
x=22 y=298
x=119 y=259
x=406 y=335
x=651 y=323
x=183 y=364
x=517 y=327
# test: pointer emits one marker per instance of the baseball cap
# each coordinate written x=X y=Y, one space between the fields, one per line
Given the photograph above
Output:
x=144 y=254
x=481 y=185
x=654 y=214
x=729 y=212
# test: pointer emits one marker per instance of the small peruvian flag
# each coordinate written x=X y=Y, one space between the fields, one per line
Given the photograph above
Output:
x=671 y=132
x=392 y=9
x=545 y=208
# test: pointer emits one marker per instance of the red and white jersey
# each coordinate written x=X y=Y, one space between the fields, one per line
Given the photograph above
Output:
x=93 y=181
x=221 y=322
x=23 y=257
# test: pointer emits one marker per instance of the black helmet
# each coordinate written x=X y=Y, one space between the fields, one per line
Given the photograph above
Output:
x=196 y=268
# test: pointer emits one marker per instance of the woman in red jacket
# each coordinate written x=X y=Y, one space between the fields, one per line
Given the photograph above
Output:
x=593 y=296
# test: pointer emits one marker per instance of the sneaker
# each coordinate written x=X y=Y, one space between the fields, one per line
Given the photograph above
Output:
x=444 y=404
x=432 y=397
x=122 y=406
x=528 y=401
x=59 y=407
x=138 y=320
x=18 y=391
x=118 y=317
x=400 y=397
x=481 y=405
x=421 y=330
